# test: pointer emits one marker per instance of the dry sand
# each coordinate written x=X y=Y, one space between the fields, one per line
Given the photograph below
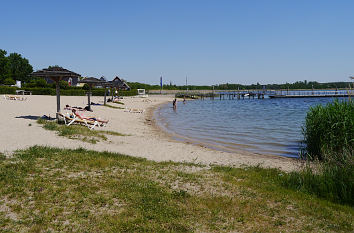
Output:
x=145 y=138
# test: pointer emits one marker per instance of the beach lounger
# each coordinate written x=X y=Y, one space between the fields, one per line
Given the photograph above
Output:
x=71 y=119
x=134 y=110
x=14 y=97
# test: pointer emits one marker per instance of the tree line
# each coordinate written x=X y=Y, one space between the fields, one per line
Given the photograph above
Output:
x=296 y=85
x=14 y=67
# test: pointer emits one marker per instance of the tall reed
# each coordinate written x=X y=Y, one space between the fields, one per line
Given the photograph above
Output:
x=329 y=139
x=329 y=128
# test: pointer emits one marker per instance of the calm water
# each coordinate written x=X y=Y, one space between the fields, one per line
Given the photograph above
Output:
x=268 y=126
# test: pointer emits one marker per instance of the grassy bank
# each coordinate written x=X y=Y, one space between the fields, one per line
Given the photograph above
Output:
x=77 y=132
x=49 y=189
x=329 y=139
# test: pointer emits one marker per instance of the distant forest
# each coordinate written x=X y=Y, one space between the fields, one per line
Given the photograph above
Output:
x=15 y=67
x=228 y=86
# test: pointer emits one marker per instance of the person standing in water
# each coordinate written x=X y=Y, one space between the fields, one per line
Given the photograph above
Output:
x=174 y=104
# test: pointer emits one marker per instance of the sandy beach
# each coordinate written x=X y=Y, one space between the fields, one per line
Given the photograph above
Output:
x=145 y=139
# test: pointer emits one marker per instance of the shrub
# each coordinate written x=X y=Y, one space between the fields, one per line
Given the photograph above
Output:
x=7 y=90
x=9 y=81
x=41 y=91
x=329 y=128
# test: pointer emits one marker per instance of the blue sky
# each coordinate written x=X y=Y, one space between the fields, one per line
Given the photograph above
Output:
x=211 y=42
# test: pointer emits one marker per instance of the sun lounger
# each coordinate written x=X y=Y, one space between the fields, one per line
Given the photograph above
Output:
x=71 y=119
x=14 y=97
x=134 y=110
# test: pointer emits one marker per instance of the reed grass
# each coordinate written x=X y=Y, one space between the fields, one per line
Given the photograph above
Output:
x=329 y=129
x=329 y=137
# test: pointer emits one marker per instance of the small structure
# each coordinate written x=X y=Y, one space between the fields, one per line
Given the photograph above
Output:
x=120 y=84
x=91 y=81
x=142 y=93
x=56 y=74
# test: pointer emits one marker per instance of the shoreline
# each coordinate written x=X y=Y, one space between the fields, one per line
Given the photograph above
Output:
x=160 y=131
x=145 y=140
x=180 y=138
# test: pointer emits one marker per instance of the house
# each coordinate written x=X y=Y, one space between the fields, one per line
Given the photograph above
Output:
x=119 y=84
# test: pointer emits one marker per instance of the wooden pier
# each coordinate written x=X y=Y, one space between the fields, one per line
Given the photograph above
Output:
x=260 y=94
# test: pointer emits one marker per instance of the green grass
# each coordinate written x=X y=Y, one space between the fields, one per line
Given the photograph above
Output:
x=49 y=189
x=115 y=107
x=118 y=103
x=332 y=179
x=329 y=139
x=78 y=132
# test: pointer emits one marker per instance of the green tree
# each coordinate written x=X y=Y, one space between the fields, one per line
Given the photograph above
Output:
x=9 y=81
x=4 y=66
x=19 y=67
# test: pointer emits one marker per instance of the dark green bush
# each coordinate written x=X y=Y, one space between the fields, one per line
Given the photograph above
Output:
x=8 y=90
x=41 y=91
x=9 y=81
x=128 y=93
x=329 y=128
x=73 y=92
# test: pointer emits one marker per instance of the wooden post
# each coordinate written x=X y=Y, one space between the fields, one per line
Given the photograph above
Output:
x=112 y=93
x=105 y=95
x=88 y=97
x=58 y=96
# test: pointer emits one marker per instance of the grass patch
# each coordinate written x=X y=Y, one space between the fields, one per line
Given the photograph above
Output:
x=332 y=179
x=77 y=131
x=118 y=103
x=329 y=139
x=115 y=107
x=50 y=189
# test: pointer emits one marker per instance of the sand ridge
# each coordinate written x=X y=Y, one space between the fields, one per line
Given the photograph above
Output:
x=145 y=138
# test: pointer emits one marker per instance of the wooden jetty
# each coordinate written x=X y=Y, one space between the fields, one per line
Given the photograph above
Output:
x=260 y=94
x=311 y=93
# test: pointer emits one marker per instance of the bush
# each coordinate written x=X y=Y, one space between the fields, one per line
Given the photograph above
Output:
x=73 y=92
x=41 y=91
x=329 y=129
x=9 y=81
x=7 y=90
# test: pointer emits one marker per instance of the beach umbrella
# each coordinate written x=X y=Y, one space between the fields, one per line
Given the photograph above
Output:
x=56 y=74
x=91 y=81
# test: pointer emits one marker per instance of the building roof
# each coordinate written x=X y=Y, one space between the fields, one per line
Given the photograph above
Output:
x=54 y=71
x=120 y=83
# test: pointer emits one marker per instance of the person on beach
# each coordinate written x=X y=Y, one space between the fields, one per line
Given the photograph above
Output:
x=82 y=117
x=174 y=103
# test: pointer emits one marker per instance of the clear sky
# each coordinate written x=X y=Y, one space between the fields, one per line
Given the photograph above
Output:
x=211 y=42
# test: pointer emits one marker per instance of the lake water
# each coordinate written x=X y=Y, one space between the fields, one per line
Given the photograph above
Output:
x=267 y=126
